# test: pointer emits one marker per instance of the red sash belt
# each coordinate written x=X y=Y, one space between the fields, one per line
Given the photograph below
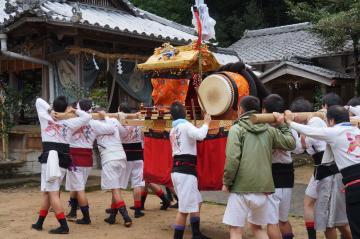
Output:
x=178 y=163
x=352 y=183
x=81 y=157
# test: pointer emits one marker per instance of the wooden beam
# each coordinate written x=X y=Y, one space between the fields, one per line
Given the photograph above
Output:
x=289 y=70
x=60 y=32
x=111 y=56
x=118 y=39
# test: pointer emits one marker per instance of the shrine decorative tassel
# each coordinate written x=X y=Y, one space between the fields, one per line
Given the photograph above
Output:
x=95 y=64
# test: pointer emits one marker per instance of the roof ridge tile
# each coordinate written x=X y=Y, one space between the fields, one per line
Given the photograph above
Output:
x=277 y=30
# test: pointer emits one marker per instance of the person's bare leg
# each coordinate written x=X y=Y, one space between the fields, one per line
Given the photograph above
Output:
x=160 y=193
x=55 y=202
x=286 y=229
x=236 y=232
x=258 y=232
x=273 y=231
x=45 y=204
x=181 y=218
x=59 y=212
x=73 y=194
x=345 y=231
x=309 y=210
x=180 y=223
x=154 y=187
x=144 y=194
x=176 y=204
x=44 y=209
x=330 y=233
x=137 y=201
x=137 y=193
x=81 y=196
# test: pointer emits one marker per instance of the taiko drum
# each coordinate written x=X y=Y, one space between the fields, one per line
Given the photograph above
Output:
x=221 y=92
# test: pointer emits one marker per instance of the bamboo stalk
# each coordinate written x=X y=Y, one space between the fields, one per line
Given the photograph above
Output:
x=139 y=122
x=269 y=118
x=355 y=121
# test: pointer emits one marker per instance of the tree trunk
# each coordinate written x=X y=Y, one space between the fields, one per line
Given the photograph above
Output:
x=356 y=66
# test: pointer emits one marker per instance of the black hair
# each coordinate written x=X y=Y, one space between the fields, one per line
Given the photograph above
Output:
x=338 y=113
x=274 y=103
x=177 y=111
x=74 y=104
x=301 y=105
x=331 y=99
x=355 y=101
x=124 y=107
x=98 y=109
x=250 y=103
x=60 y=104
x=85 y=104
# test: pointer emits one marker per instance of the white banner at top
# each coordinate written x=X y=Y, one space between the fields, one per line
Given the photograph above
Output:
x=208 y=23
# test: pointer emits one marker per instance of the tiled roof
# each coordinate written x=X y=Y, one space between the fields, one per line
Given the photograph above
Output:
x=224 y=55
x=142 y=23
x=280 y=43
x=324 y=72
x=138 y=22
x=224 y=59
x=164 y=21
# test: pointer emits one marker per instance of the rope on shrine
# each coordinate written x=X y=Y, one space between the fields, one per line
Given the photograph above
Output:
x=108 y=56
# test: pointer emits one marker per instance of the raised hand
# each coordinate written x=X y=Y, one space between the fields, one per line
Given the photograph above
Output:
x=279 y=118
x=289 y=116
x=207 y=119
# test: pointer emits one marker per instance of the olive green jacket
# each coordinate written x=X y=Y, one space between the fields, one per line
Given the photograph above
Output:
x=249 y=154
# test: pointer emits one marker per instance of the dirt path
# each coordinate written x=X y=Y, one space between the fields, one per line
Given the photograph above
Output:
x=18 y=209
x=303 y=174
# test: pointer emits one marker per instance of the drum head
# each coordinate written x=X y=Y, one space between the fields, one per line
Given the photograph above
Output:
x=216 y=95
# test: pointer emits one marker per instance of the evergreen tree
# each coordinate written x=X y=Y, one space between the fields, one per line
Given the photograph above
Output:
x=337 y=22
x=233 y=17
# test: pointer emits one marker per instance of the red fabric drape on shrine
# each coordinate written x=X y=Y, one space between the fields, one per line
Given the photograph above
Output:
x=210 y=162
x=157 y=161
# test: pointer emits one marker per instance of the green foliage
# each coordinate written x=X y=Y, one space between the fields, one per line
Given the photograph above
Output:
x=337 y=22
x=76 y=92
x=9 y=107
x=253 y=17
x=98 y=93
x=31 y=88
x=10 y=102
x=99 y=96
x=178 y=11
x=317 y=101
x=233 y=17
